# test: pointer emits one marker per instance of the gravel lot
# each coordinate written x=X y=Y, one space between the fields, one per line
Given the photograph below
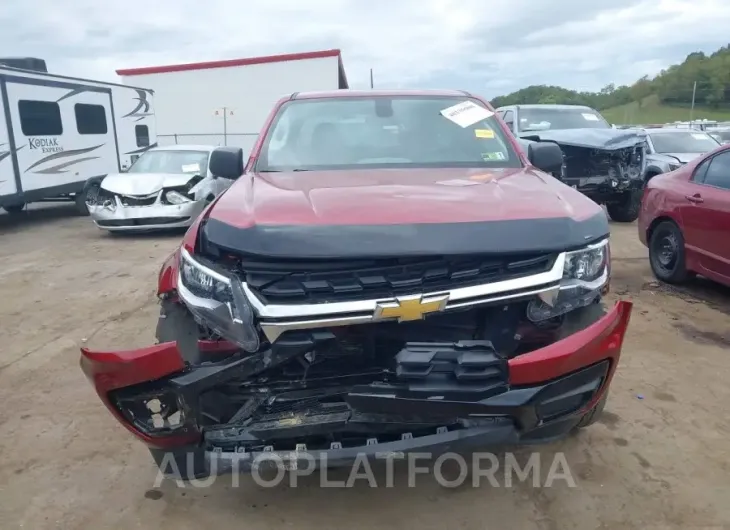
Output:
x=659 y=458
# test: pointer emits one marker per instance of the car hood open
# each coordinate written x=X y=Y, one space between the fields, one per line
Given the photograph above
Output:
x=335 y=214
x=137 y=184
x=608 y=139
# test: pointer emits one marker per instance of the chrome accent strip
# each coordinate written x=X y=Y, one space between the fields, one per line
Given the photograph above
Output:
x=273 y=330
x=276 y=311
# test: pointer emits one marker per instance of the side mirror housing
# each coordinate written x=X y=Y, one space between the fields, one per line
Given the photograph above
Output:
x=226 y=162
x=545 y=156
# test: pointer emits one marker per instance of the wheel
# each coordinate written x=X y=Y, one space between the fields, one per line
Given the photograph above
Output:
x=592 y=416
x=14 y=209
x=87 y=195
x=626 y=208
x=666 y=253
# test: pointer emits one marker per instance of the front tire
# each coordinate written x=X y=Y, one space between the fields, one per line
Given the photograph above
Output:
x=666 y=253
x=88 y=193
x=14 y=209
x=626 y=208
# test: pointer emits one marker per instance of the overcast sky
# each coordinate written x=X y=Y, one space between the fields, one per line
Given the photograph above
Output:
x=491 y=47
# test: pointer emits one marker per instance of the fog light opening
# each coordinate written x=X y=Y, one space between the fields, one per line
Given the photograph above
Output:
x=155 y=414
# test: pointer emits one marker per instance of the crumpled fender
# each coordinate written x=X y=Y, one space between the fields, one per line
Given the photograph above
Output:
x=167 y=277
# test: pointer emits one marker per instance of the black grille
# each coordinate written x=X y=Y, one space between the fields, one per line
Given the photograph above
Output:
x=319 y=281
x=137 y=201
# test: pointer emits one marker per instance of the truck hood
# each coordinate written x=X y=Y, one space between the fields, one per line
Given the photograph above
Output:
x=141 y=184
x=400 y=212
x=608 y=139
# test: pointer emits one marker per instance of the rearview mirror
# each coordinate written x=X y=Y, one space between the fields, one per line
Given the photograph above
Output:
x=226 y=162
x=545 y=156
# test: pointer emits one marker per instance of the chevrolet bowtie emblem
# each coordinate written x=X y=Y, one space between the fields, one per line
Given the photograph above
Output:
x=410 y=307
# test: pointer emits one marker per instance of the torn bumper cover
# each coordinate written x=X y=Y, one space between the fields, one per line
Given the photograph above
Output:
x=148 y=212
x=230 y=410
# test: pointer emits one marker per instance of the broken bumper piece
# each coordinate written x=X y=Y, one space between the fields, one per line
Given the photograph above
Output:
x=115 y=215
x=438 y=397
x=522 y=415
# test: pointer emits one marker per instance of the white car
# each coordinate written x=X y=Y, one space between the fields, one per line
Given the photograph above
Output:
x=166 y=187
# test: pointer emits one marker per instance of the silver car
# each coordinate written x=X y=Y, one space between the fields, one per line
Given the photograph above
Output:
x=166 y=187
x=670 y=148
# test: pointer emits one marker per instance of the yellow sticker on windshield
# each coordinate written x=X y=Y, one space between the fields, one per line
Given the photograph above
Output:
x=484 y=133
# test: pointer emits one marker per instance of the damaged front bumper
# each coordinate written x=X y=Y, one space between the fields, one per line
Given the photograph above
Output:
x=143 y=213
x=438 y=397
x=604 y=164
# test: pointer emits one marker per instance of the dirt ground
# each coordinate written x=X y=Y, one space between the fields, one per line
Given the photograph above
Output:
x=659 y=458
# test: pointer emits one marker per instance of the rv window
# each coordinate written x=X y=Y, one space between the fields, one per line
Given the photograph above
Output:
x=40 y=118
x=142 y=132
x=90 y=119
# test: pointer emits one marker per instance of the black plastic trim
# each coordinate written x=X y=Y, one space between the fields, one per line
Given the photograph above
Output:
x=350 y=241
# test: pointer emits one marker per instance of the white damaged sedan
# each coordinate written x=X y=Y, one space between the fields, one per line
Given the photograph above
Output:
x=166 y=187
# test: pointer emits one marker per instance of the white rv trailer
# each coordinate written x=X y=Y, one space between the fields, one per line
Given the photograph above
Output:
x=57 y=132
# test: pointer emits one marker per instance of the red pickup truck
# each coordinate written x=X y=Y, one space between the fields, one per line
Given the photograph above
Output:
x=390 y=272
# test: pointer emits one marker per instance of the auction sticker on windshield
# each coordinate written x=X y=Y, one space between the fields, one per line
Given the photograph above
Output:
x=466 y=113
x=484 y=133
x=190 y=168
x=590 y=117
x=498 y=155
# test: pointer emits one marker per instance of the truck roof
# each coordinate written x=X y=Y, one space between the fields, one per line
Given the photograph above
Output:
x=349 y=93
x=551 y=106
x=183 y=147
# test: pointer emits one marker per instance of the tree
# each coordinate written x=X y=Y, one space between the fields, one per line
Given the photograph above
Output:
x=672 y=86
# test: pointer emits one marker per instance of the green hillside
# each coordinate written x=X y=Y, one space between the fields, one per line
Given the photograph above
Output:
x=666 y=97
x=652 y=110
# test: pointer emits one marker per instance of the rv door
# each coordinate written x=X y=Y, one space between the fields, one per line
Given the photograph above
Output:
x=64 y=133
x=7 y=172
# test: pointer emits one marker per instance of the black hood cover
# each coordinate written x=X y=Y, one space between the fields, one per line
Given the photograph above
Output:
x=375 y=241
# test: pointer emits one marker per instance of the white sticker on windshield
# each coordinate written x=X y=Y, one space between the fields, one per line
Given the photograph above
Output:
x=699 y=136
x=590 y=117
x=466 y=113
x=190 y=168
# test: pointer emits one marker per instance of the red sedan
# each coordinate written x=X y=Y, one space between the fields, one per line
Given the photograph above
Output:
x=685 y=220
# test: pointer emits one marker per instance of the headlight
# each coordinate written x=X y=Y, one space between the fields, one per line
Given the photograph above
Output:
x=586 y=264
x=175 y=197
x=673 y=167
x=204 y=282
x=585 y=274
x=218 y=302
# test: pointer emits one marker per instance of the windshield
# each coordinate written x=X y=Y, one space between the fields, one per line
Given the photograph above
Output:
x=721 y=136
x=172 y=161
x=384 y=132
x=683 y=142
x=543 y=119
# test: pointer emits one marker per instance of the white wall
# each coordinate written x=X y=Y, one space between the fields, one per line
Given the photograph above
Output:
x=185 y=102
